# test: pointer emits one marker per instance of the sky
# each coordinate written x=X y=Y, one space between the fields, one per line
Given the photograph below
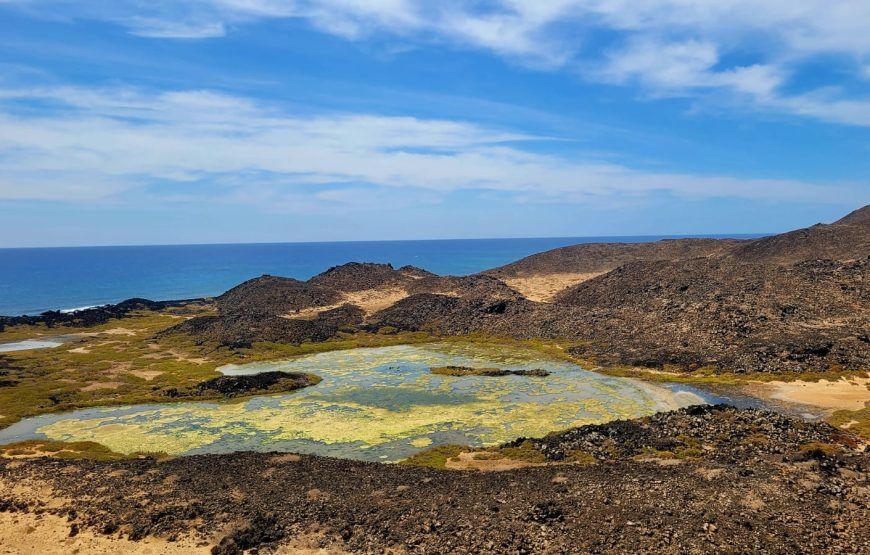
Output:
x=216 y=121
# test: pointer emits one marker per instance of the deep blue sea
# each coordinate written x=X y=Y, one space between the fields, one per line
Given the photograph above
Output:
x=35 y=280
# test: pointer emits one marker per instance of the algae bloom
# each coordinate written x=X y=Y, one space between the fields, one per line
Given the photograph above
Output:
x=373 y=404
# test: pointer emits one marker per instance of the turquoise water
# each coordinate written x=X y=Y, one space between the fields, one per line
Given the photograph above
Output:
x=36 y=280
x=377 y=404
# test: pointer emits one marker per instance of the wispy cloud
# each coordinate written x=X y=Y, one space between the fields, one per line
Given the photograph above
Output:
x=87 y=145
x=667 y=47
x=162 y=29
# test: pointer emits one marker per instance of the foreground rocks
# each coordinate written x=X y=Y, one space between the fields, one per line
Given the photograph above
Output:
x=757 y=482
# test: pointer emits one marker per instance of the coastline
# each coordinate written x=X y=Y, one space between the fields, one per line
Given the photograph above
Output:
x=666 y=314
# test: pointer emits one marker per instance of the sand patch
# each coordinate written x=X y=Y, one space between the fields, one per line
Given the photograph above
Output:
x=370 y=300
x=119 y=331
x=467 y=461
x=50 y=534
x=660 y=461
x=147 y=375
x=174 y=355
x=543 y=288
x=94 y=386
x=843 y=394
x=373 y=300
x=753 y=501
x=302 y=545
x=80 y=350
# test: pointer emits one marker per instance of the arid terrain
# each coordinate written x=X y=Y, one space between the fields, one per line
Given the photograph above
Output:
x=700 y=480
x=738 y=306
x=785 y=318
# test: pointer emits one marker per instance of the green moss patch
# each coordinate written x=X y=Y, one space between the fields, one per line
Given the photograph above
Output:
x=436 y=457
x=855 y=421
x=68 y=450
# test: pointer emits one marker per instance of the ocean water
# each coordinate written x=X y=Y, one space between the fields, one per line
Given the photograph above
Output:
x=35 y=280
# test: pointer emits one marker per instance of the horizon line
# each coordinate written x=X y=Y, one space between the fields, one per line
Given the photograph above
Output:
x=661 y=237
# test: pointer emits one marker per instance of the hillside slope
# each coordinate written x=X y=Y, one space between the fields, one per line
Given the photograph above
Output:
x=792 y=302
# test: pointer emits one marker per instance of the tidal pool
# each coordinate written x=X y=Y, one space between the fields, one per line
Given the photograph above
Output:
x=43 y=343
x=373 y=404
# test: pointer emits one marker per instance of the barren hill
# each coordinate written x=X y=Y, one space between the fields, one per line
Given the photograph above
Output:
x=790 y=302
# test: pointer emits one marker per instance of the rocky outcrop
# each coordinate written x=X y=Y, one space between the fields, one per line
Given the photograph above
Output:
x=737 y=308
x=264 y=382
x=745 y=317
x=357 y=276
x=719 y=433
x=242 y=328
x=730 y=305
x=279 y=309
x=94 y=316
x=272 y=295
x=460 y=371
x=475 y=286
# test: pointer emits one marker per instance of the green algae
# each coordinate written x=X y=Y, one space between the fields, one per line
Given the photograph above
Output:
x=374 y=404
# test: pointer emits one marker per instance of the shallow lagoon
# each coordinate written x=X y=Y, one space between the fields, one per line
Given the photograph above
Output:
x=373 y=404
x=43 y=343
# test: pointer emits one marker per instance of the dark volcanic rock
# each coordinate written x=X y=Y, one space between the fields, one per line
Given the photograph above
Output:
x=712 y=432
x=476 y=286
x=594 y=258
x=845 y=239
x=748 y=482
x=92 y=316
x=806 y=316
x=232 y=386
x=454 y=315
x=356 y=276
x=274 y=296
x=487 y=372
x=737 y=308
x=732 y=305
x=241 y=329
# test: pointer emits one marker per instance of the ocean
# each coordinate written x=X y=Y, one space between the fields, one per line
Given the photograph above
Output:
x=34 y=280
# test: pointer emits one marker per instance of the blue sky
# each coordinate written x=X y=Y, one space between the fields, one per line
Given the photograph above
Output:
x=264 y=120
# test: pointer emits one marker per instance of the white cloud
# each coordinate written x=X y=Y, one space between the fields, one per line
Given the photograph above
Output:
x=107 y=143
x=681 y=68
x=161 y=29
x=667 y=46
